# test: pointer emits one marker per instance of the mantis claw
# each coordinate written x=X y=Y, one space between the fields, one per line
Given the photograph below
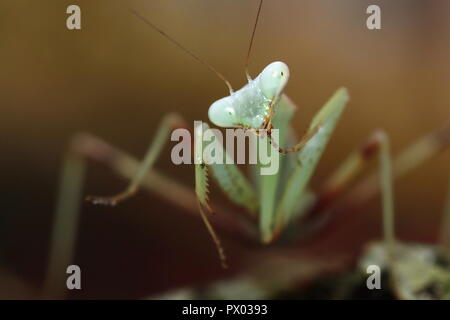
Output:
x=111 y=201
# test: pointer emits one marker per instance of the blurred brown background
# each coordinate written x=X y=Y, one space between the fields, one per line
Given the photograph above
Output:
x=116 y=78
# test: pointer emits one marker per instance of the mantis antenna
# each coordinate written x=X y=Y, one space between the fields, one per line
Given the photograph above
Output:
x=179 y=45
x=251 y=40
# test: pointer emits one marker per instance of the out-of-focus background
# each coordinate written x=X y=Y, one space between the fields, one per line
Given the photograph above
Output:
x=116 y=78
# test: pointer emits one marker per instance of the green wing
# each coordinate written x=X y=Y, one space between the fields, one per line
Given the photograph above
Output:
x=308 y=157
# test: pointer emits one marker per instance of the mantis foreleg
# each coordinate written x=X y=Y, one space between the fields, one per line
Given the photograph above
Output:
x=170 y=121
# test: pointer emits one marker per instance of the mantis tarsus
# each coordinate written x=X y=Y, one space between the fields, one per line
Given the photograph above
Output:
x=273 y=200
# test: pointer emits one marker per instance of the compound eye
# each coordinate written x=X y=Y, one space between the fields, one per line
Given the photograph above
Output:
x=278 y=74
x=274 y=78
x=222 y=114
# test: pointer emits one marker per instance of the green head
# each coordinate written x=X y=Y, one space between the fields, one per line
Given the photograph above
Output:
x=249 y=104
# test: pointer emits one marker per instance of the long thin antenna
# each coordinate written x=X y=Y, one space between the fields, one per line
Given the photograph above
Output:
x=179 y=45
x=251 y=40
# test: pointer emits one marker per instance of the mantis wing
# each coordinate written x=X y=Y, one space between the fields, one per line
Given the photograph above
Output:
x=308 y=157
x=268 y=184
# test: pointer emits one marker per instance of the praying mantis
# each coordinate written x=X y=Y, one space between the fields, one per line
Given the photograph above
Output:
x=273 y=201
x=259 y=105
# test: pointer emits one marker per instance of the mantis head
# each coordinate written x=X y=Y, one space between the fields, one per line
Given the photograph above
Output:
x=273 y=79
x=253 y=97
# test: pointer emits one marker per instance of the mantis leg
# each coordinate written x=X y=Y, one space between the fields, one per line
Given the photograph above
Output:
x=226 y=173
x=387 y=197
x=346 y=173
x=377 y=145
x=202 y=191
x=387 y=194
x=320 y=203
x=232 y=182
x=410 y=158
x=69 y=198
x=170 y=121
x=407 y=160
x=303 y=141
x=445 y=229
x=65 y=224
